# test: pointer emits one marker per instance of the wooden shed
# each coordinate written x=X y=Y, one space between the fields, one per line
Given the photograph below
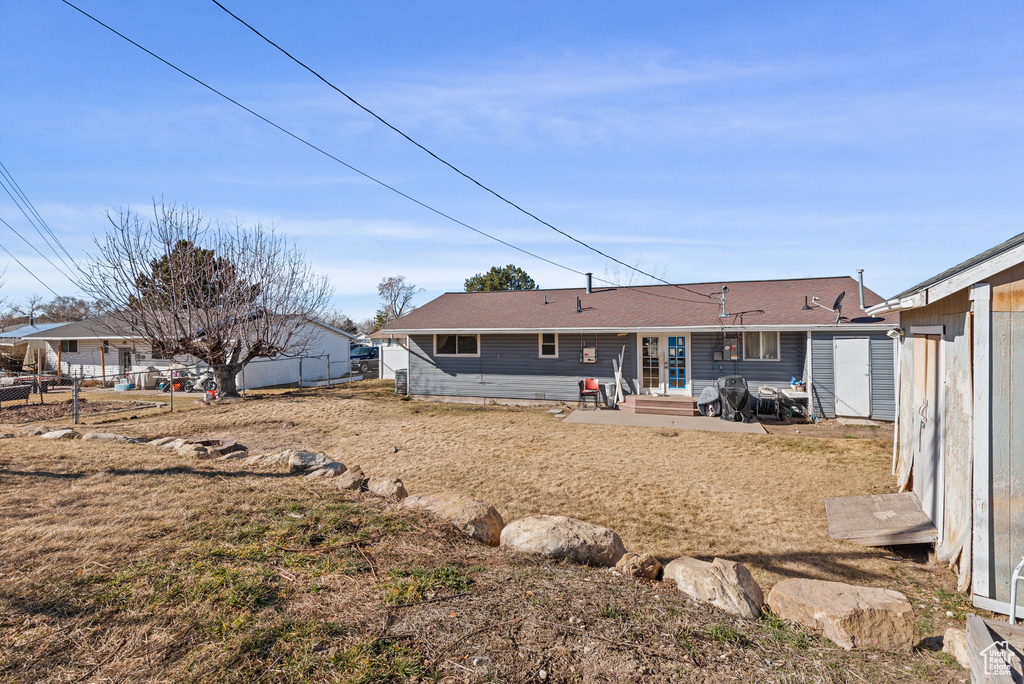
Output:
x=960 y=414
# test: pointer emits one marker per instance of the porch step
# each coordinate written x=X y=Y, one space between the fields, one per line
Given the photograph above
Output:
x=659 y=406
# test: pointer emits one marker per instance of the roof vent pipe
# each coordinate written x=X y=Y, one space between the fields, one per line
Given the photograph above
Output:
x=31 y=319
x=860 y=277
x=590 y=282
x=579 y=305
x=545 y=299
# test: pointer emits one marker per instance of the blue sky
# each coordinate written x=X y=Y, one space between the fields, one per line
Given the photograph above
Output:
x=698 y=141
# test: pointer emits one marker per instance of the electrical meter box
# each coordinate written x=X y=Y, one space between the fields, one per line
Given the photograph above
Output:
x=731 y=349
x=590 y=355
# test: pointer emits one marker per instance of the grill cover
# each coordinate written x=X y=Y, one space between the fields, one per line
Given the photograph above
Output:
x=735 y=397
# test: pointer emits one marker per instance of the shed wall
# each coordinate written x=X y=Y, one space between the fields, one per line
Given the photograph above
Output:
x=953 y=313
x=509 y=367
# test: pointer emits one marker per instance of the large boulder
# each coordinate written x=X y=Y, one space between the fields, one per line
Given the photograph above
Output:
x=197 y=451
x=166 y=442
x=851 y=616
x=63 y=433
x=556 y=536
x=351 y=479
x=299 y=461
x=477 y=519
x=105 y=437
x=332 y=469
x=35 y=430
x=390 y=487
x=722 y=583
x=644 y=566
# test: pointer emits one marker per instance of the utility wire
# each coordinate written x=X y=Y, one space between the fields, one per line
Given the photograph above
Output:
x=27 y=269
x=319 y=149
x=444 y=161
x=21 y=198
x=368 y=176
x=36 y=250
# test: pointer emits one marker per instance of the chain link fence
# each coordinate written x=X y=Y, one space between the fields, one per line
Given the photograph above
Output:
x=164 y=385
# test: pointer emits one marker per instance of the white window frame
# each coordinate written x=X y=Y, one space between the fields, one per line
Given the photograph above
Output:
x=540 y=346
x=762 y=333
x=458 y=335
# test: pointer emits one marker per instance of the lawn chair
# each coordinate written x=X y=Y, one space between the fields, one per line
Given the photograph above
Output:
x=590 y=388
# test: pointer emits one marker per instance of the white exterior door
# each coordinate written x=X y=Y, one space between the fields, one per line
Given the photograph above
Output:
x=663 y=364
x=851 y=364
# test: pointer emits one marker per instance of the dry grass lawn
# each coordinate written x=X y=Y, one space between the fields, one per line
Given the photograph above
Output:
x=109 y=551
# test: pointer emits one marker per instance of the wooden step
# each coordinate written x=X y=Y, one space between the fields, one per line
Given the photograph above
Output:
x=659 y=406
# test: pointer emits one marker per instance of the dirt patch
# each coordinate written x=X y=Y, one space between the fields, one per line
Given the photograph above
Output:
x=830 y=429
x=63 y=408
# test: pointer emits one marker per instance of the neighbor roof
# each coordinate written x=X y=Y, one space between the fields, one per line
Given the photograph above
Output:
x=750 y=304
x=98 y=328
x=22 y=331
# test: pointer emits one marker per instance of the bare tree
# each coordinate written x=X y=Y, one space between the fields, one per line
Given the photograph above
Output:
x=396 y=299
x=65 y=308
x=336 y=319
x=32 y=307
x=221 y=294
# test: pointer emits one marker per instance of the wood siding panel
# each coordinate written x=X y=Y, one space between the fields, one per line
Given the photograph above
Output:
x=1008 y=289
x=509 y=367
x=958 y=406
x=1007 y=507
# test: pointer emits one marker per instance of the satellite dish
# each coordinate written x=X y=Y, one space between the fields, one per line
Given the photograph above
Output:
x=838 y=305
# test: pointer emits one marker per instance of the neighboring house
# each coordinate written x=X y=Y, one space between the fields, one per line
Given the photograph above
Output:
x=960 y=423
x=24 y=351
x=673 y=339
x=105 y=347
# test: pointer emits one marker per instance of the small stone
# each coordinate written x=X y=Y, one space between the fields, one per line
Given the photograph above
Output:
x=333 y=469
x=35 y=430
x=7 y=435
x=954 y=642
x=587 y=650
x=477 y=662
x=543 y=675
x=949 y=613
x=575 y=620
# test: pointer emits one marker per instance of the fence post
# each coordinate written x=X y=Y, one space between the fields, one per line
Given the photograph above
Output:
x=74 y=395
x=300 y=372
x=328 y=370
x=243 y=382
x=170 y=372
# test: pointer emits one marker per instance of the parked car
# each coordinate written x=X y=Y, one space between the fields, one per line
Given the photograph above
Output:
x=365 y=359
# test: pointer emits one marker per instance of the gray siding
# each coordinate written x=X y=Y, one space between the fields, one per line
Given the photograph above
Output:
x=509 y=367
x=774 y=373
x=883 y=374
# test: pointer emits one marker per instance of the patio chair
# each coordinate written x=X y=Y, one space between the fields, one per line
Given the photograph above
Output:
x=590 y=387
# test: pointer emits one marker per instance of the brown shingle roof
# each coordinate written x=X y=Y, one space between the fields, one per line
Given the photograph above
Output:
x=655 y=306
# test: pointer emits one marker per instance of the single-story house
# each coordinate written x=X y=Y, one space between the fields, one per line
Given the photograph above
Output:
x=960 y=427
x=535 y=345
x=19 y=351
x=105 y=347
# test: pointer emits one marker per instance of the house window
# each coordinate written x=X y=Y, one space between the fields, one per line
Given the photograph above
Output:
x=69 y=346
x=761 y=346
x=456 y=345
x=548 y=345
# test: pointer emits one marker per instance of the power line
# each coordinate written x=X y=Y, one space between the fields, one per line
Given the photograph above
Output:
x=363 y=173
x=36 y=250
x=7 y=178
x=319 y=149
x=442 y=160
x=30 y=271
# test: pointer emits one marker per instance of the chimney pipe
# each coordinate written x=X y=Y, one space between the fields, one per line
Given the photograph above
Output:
x=31 y=319
x=590 y=282
x=860 y=276
x=579 y=305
